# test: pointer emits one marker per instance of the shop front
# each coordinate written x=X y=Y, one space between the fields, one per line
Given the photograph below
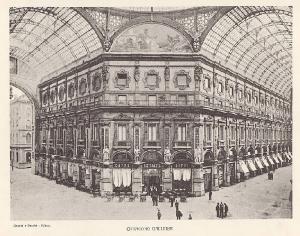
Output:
x=243 y=170
x=152 y=172
x=259 y=165
x=251 y=167
x=122 y=172
x=208 y=170
x=182 y=173
x=265 y=163
x=221 y=166
x=271 y=163
x=275 y=160
x=232 y=165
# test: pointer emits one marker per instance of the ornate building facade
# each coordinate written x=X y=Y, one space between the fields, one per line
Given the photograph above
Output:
x=127 y=122
x=186 y=100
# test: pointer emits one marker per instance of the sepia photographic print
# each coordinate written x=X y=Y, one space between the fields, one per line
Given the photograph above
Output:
x=151 y=113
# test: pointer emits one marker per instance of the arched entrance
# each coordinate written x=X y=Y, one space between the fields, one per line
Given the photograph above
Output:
x=152 y=171
x=182 y=172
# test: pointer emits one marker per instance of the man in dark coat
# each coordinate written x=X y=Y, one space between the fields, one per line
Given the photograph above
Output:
x=172 y=200
x=158 y=214
x=221 y=210
x=225 y=209
x=153 y=199
x=210 y=194
x=176 y=205
x=218 y=209
x=178 y=214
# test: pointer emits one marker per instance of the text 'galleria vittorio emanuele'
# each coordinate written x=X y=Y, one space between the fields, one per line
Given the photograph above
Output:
x=182 y=100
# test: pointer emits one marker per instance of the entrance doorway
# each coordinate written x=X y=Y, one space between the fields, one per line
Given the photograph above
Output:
x=207 y=179
x=151 y=181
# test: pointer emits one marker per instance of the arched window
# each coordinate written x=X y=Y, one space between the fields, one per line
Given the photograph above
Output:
x=28 y=138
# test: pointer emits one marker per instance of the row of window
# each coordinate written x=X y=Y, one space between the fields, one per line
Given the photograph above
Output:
x=152 y=133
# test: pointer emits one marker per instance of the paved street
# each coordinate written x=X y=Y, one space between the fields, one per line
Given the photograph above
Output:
x=37 y=198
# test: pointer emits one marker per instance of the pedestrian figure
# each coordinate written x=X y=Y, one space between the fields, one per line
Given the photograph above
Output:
x=158 y=214
x=210 y=194
x=156 y=200
x=178 y=214
x=190 y=216
x=176 y=205
x=221 y=210
x=172 y=200
x=153 y=200
x=225 y=209
x=218 y=210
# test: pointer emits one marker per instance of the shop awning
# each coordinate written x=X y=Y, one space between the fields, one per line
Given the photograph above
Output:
x=243 y=167
x=279 y=157
x=265 y=161
x=270 y=160
x=275 y=158
x=251 y=165
x=258 y=163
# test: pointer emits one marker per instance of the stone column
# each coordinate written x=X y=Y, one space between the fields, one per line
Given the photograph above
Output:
x=106 y=180
x=137 y=180
x=215 y=181
x=167 y=178
x=198 y=181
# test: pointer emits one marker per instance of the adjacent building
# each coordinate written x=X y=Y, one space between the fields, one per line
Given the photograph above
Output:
x=21 y=125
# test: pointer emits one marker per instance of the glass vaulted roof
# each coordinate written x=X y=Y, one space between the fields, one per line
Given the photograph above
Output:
x=255 y=42
x=50 y=38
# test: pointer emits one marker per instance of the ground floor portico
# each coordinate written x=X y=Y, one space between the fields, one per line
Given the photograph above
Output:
x=125 y=176
x=255 y=198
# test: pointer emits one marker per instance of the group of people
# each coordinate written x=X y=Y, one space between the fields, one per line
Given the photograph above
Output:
x=177 y=212
x=222 y=210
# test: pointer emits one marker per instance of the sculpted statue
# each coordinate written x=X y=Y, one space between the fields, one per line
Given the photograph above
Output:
x=137 y=154
x=167 y=154
x=197 y=153
x=106 y=154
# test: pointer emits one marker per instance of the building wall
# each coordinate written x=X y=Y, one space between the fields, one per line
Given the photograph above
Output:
x=219 y=110
x=21 y=136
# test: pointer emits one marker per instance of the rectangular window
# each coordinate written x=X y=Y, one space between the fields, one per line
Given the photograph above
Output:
x=122 y=99
x=242 y=133
x=220 y=87
x=81 y=132
x=197 y=137
x=51 y=133
x=181 y=132
x=152 y=100
x=249 y=133
x=231 y=91
x=122 y=79
x=137 y=137
x=221 y=132
x=232 y=133
x=207 y=82
x=121 y=132
x=152 y=132
x=208 y=132
x=104 y=137
x=95 y=132
x=182 y=99
x=59 y=133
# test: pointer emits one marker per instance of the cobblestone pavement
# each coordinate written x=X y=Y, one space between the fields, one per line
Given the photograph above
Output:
x=37 y=198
